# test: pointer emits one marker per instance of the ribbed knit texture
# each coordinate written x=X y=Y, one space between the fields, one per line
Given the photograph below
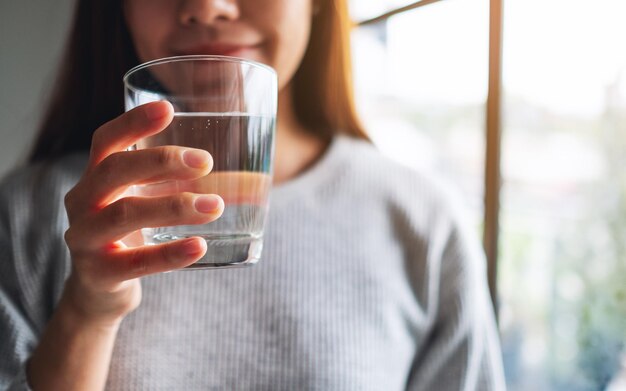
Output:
x=367 y=281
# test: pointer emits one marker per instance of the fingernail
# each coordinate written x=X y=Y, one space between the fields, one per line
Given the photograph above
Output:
x=190 y=247
x=154 y=111
x=195 y=158
x=207 y=204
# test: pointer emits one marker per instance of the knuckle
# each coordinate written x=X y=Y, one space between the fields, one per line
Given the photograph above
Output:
x=69 y=198
x=120 y=212
x=138 y=262
x=74 y=242
x=69 y=238
x=177 y=205
x=132 y=118
x=114 y=160
x=96 y=138
x=166 y=254
x=167 y=156
x=107 y=168
x=99 y=138
x=100 y=174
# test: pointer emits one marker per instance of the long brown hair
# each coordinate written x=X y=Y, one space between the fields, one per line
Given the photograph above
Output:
x=322 y=87
x=88 y=91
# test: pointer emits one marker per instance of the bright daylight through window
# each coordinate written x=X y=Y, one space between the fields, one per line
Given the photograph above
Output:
x=421 y=80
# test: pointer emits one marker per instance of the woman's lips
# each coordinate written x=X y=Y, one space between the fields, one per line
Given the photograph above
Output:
x=218 y=50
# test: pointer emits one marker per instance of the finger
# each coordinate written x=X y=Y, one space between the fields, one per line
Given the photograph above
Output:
x=235 y=187
x=123 y=131
x=128 y=263
x=132 y=213
x=121 y=169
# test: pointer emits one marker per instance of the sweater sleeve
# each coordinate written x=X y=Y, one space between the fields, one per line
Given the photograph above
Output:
x=461 y=351
x=34 y=261
x=17 y=334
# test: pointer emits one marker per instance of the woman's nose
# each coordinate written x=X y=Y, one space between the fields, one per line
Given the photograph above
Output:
x=207 y=11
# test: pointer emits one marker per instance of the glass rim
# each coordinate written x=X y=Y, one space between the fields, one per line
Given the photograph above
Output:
x=193 y=57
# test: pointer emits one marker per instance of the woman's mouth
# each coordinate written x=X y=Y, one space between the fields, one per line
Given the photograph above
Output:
x=218 y=49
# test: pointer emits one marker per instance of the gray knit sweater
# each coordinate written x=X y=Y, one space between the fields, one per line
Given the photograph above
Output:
x=367 y=281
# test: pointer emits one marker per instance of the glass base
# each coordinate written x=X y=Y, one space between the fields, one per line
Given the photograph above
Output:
x=223 y=251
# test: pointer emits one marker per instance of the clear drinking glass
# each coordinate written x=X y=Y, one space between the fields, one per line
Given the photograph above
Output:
x=226 y=106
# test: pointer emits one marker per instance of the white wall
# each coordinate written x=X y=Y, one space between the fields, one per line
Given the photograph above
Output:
x=32 y=35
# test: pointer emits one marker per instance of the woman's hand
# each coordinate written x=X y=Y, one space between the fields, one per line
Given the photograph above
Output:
x=74 y=352
x=103 y=286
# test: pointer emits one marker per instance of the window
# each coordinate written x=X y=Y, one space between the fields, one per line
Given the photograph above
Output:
x=562 y=267
x=421 y=80
x=421 y=88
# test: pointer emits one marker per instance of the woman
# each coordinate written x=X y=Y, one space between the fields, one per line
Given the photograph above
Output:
x=366 y=280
